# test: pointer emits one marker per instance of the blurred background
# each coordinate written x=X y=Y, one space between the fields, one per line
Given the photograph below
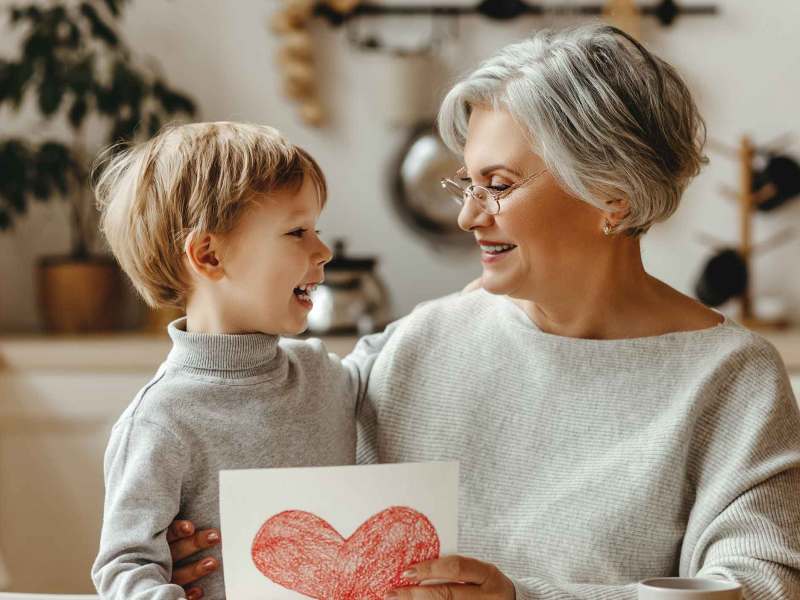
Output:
x=357 y=85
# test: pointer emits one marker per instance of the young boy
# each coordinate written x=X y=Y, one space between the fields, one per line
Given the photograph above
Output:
x=219 y=219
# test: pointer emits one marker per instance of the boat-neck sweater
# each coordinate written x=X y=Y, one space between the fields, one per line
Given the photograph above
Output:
x=588 y=465
x=217 y=402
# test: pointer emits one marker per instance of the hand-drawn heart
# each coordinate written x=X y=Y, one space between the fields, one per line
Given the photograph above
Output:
x=301 y=552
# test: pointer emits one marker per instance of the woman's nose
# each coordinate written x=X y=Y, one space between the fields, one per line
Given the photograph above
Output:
x=471 y=215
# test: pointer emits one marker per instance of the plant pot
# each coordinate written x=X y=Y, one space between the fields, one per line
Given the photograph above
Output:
x=79 y=295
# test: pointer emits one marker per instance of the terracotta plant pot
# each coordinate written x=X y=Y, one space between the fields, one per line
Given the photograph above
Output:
x=79 y=296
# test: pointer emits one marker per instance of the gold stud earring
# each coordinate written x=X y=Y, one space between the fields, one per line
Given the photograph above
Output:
x=608 y=229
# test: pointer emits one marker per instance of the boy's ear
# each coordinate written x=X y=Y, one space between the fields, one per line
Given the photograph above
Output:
x=202 y=253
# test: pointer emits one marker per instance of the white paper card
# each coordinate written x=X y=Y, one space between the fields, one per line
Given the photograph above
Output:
x=338 y=533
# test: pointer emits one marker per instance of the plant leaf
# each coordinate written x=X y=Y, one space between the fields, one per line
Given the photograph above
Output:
x=51 y=91
x=153 y=124
x=77 y=112
x=172 y=101
x=112 y=7
x=99 y=28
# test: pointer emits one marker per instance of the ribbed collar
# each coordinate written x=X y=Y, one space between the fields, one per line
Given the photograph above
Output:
x=222 y=355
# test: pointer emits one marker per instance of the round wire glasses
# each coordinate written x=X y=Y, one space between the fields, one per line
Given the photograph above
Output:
x=488 y=200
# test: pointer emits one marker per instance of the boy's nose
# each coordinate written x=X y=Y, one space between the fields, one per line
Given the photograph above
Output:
x=324 y=255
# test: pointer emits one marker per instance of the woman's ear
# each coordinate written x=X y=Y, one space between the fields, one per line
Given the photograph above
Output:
x=617 y=211
x=202 y=251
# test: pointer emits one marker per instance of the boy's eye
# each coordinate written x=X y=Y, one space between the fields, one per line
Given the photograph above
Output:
x=300 y=232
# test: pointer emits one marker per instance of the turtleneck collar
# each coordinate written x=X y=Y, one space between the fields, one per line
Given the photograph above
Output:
x=222 y=355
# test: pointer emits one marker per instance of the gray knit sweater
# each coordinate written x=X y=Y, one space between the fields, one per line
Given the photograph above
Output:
x=587 y=465
x=218 y=402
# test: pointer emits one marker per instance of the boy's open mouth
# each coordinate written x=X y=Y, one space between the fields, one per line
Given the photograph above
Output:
x=303 y=292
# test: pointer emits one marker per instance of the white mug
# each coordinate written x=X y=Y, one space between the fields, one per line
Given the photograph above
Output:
x=688 y=588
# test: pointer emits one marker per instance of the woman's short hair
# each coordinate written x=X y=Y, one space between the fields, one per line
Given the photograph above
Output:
x=199 y=177
x=609 y=119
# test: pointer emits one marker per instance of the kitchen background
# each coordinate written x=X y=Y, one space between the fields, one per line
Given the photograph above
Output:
x=743 y=66
x=59 y=395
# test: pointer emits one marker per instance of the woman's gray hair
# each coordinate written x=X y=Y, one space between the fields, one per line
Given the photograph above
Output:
x=609 y=119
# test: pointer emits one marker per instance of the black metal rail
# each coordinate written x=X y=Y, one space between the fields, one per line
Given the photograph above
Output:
x=665 y=11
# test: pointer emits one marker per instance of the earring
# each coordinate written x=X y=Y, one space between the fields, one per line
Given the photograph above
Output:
x=608 y=229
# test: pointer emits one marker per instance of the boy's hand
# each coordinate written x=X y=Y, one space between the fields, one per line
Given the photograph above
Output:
x=184 y=541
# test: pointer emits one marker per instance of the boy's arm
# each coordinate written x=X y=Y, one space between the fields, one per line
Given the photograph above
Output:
x=145 y=465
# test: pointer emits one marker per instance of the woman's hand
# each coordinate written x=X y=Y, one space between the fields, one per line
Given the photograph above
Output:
x=184 y=541
x=471 y=580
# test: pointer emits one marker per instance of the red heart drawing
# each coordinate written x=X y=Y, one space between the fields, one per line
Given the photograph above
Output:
x=301 y=552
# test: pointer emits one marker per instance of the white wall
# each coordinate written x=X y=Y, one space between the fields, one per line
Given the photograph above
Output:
x=744 y=67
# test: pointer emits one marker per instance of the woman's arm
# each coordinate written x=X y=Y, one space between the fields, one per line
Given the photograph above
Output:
x=745 y=466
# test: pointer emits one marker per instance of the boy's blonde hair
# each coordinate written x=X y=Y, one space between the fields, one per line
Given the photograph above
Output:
x=189 y=178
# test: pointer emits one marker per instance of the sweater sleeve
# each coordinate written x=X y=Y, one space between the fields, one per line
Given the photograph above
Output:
x=744 y=474
x=745 y=468
x=145 y=466
x=359 y=362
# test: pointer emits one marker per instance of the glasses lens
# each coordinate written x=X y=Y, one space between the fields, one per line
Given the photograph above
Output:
x=455 y=191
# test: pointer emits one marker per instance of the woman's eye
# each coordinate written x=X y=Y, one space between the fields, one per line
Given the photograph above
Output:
x=297 y=232
x=499 y=187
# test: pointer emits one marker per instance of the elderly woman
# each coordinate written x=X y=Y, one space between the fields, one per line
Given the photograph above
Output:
x=608 y=427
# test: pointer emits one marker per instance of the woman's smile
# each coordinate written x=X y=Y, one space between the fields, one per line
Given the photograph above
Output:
x=492 y=251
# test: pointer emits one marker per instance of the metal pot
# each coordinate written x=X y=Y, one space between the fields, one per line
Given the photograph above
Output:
x=352 y=299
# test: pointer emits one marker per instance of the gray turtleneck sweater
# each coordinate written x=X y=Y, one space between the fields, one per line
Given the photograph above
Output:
x=217 y=402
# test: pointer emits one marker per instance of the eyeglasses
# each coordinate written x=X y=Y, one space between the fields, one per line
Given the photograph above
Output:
x=488 y=200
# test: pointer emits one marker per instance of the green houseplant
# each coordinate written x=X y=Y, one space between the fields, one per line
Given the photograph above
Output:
x=76 y=70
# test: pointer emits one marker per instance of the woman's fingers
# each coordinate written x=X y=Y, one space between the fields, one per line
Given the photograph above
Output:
x=178 y=530
x=451 y=568
x=194 y=593
x=194 y=571
x=471 y=580
x=183 y=548
x=439 y=592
